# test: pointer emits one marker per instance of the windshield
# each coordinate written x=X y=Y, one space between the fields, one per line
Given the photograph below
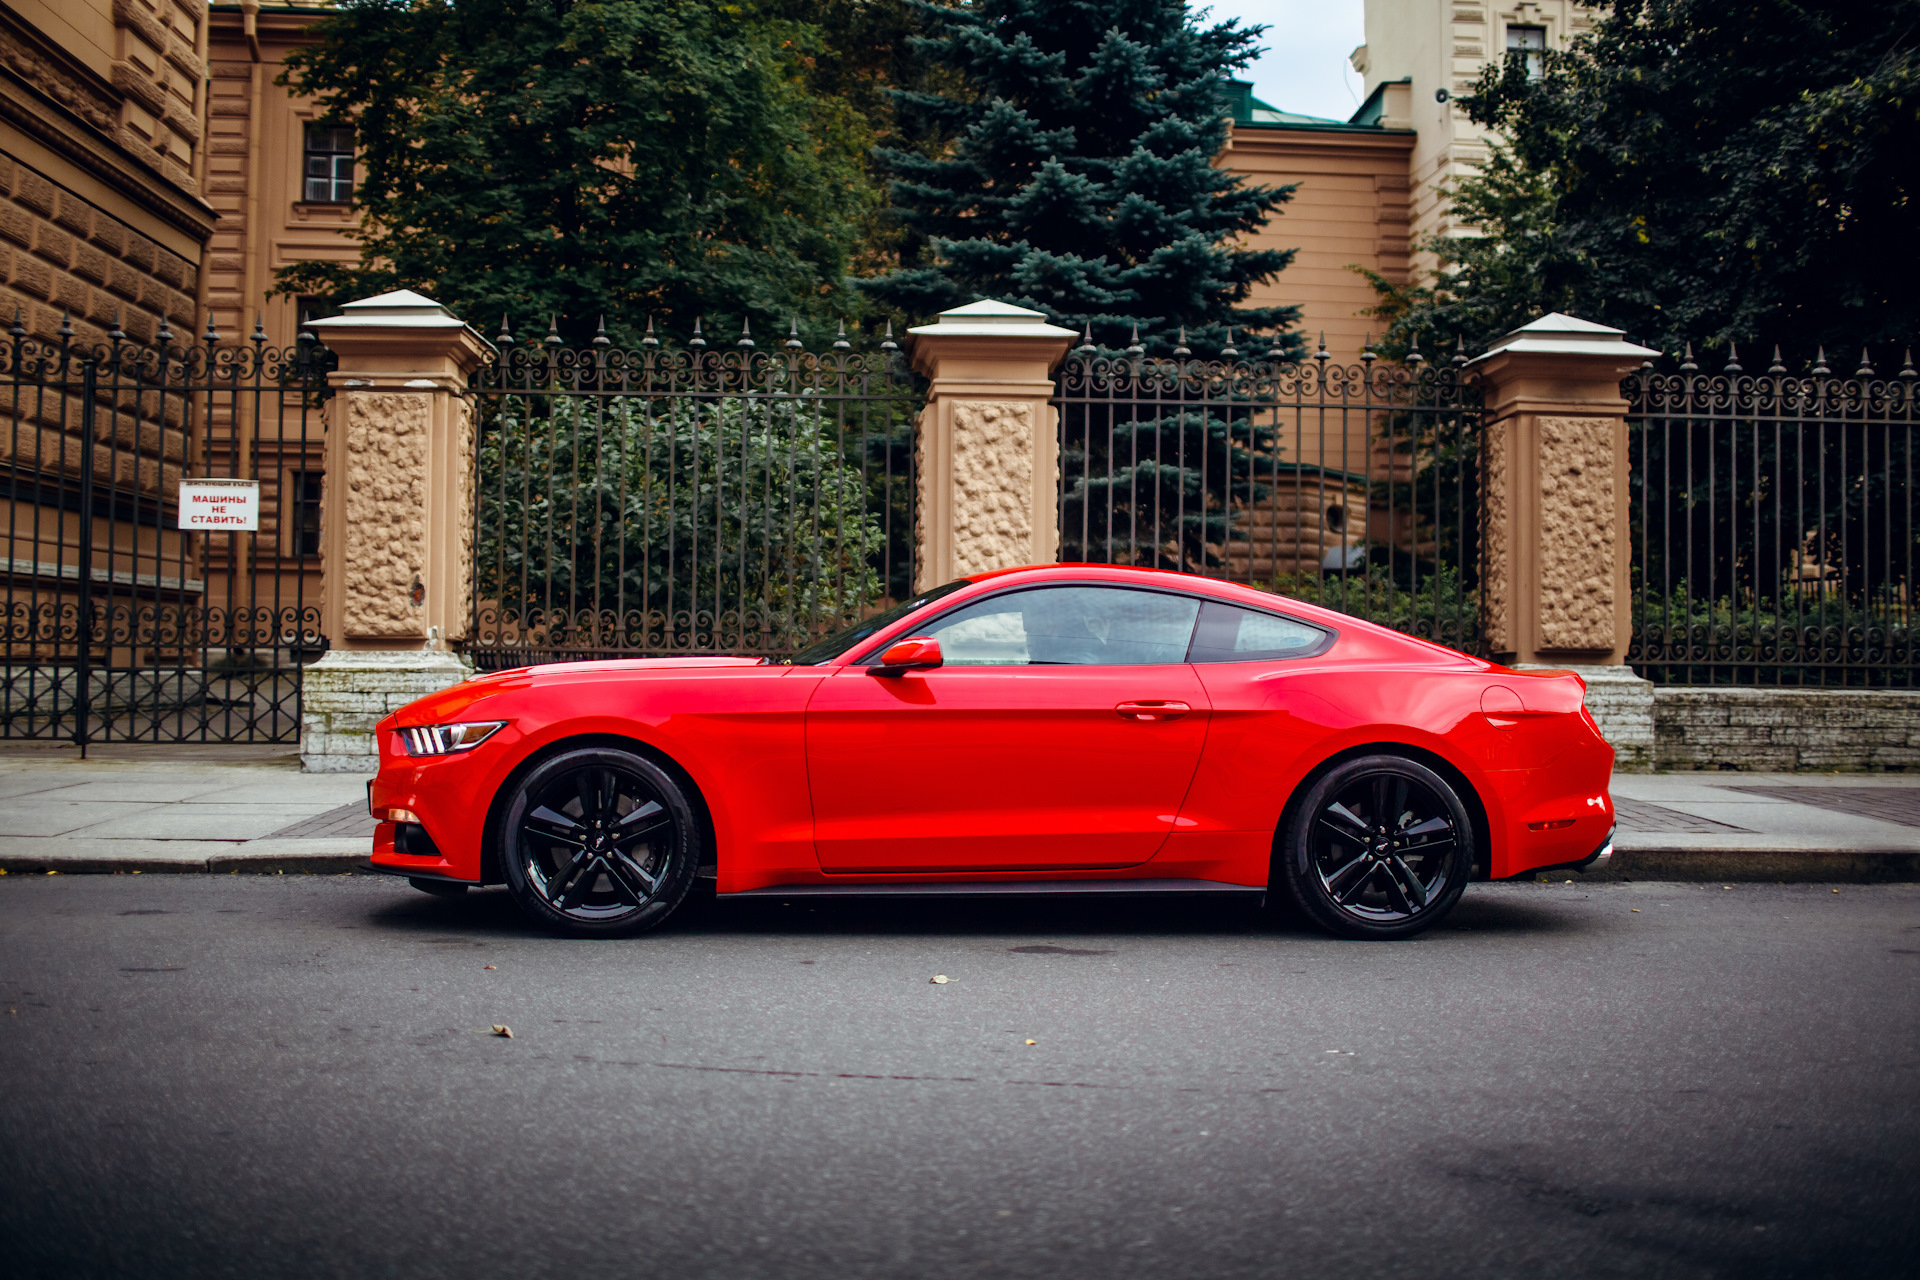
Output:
x=835 y=645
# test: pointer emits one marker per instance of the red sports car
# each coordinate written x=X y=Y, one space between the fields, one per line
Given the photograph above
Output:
x=1050 y=730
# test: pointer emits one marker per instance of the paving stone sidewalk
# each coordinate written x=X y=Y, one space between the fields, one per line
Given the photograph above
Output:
x=154 y=808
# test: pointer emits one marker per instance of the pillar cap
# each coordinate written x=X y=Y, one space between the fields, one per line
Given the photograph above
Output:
x=989 y=318
x=401 y=309
x=1563 y=335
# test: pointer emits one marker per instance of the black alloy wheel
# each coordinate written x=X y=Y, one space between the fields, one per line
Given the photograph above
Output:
x=599 y=842
x=1381 y=847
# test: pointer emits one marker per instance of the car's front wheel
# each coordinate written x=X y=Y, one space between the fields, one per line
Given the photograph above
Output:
x=598 y=842
x=1380 y=847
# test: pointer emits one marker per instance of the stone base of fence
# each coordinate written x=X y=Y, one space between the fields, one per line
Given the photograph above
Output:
x=1622 y=705
x=348 y=692
x=1786 y=730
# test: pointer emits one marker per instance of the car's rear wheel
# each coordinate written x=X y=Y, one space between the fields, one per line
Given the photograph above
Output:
x=1380 y=847
x=598 y=842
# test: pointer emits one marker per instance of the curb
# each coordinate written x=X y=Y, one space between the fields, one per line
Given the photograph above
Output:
x=1813 y=866
x=326 y=864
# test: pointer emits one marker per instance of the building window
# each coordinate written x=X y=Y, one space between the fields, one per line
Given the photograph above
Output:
x=1529 y=43
x=329 y=166
x=306 y=512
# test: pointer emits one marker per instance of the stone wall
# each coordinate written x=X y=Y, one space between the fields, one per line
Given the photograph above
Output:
x=1786 y=730
x=61 y=256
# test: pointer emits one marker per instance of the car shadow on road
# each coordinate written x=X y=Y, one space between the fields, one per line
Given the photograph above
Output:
x=492 y=912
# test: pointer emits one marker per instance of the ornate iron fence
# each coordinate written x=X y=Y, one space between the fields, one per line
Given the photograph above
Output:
x=1773 y=526
x=1352 y=486
x=687 y=500
x=119 y=625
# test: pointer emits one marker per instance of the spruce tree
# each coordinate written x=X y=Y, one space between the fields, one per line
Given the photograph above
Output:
x=1077 y=175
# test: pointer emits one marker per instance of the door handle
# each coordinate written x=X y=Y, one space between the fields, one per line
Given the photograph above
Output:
x=1151 y=709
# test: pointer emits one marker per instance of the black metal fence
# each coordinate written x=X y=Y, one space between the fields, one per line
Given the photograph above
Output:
x=1352 y=486
x=1774 y=540
x=697 y=499
x=119 y=625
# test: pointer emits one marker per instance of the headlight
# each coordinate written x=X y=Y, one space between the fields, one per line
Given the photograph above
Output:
x=443 y=739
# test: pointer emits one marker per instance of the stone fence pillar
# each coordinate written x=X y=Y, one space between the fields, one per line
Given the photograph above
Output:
x=1555 y=564
x=987 y=451
x=396 y=521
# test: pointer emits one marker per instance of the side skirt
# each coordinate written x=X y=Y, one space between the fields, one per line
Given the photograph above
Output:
x=1004 y=888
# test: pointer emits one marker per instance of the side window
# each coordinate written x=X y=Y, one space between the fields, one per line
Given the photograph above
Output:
x=1068 y=626
x=1229 y=633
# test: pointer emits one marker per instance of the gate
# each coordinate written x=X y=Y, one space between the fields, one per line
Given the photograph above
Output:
x=669 y=500
x=120 y=626
x=1356 y=487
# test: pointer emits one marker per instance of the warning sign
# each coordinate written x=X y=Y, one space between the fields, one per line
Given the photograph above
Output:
x=232 y=506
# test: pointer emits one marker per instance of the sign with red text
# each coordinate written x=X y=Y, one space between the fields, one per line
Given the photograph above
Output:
x=220 y=506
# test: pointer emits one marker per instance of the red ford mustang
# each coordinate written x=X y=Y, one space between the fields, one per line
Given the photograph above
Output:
x=1058 y=729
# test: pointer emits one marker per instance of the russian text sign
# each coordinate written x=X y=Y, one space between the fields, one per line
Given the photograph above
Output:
x=229 y=506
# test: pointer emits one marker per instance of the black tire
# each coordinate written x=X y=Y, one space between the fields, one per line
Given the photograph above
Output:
x=599 y=843
x=1380 y=847
x=438 y=888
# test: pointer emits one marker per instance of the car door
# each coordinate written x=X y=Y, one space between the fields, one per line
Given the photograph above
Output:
x=1062 y=732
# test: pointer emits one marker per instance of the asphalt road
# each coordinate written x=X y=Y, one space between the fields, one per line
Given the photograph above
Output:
x=291 y=1076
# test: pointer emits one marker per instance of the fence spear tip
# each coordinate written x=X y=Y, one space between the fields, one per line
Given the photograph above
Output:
x=1866 y=366
x=1776 y=368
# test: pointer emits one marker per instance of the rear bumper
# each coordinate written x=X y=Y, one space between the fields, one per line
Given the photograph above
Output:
x=1594 y=861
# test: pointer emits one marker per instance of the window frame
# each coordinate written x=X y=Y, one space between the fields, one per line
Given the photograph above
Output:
x=1330 y=635
x=1532 y=59
x=307 y=153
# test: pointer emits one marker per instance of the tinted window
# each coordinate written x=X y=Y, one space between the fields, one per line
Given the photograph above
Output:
x=1229 y=633
x=1067 y=626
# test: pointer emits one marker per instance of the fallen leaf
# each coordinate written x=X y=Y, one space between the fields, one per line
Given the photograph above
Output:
x=1033 y=1042
x=1836 y=891
x=1635 y=910
x=493 y=966
x=940 y=978
x=52 y=872
x=503 y=1030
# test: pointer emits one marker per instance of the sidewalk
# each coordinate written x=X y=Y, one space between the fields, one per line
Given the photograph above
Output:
x=162 y=808
x=165 y=808
x=1766 y=826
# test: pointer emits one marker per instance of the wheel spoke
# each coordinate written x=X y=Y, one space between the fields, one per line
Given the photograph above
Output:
x=1428 y=827
x=1354 y=890
x=587 y=871
x=587 y=784
x=1337 y=881
x=1340 y=833
x=1397 y=813
x=626 y=871
x=643 y=822
x=554 y=825
x=560 y=883
x=1409 y=882
x=1398 y=893
x=1379 y=817
x=1346 y=817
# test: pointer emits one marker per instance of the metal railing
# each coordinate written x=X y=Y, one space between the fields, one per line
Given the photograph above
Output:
x=698 y=499
x=1774 y=539
x=118 y=625
x=1356 y=487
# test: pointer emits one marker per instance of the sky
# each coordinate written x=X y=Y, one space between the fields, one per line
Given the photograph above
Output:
x=1305 y=68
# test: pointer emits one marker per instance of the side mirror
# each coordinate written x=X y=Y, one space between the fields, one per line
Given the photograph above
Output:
x=915 y=653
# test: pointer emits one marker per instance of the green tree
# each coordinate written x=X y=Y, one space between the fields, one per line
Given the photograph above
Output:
x=1692 y=170
x=1074 y=172
x=587 y=157
x=676 y=523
